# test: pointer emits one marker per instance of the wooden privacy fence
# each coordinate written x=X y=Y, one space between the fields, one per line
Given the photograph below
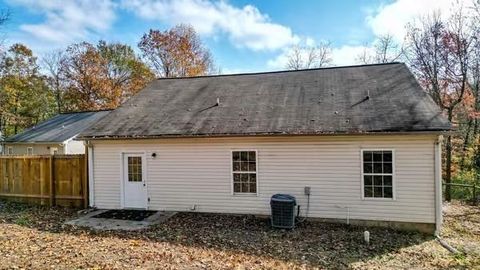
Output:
x=47 y=180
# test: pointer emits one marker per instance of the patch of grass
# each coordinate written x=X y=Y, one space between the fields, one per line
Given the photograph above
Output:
x=23 y=220
x=462 y=259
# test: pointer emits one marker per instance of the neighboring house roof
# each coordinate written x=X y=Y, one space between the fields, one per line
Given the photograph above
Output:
x=344 y=100
x=59 y=128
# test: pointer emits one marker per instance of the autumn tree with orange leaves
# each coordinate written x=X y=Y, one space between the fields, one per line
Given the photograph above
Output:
x=177 y=52
x=102 y=76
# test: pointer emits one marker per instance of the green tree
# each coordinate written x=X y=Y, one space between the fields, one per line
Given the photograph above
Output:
x=25 y=98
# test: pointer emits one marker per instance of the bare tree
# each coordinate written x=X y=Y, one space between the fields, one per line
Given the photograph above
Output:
x=439 y=54
x=52 y=63
x=384 y=50
x=4 y=17
x=472 y=129
x=303 y=57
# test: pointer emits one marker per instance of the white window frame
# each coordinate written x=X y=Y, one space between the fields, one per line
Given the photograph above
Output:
x=231 y=172
x=394 y=182
x=10 y=150
x=29 y=151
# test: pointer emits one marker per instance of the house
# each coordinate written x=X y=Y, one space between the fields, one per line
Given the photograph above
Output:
x=364 y=140
x=53 y=136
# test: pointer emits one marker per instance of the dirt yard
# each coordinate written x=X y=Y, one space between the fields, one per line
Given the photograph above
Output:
x=35 y=238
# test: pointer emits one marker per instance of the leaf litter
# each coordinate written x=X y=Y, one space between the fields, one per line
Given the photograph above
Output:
x=35 y=237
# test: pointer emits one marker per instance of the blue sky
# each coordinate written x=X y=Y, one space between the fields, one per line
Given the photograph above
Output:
x=242 y=35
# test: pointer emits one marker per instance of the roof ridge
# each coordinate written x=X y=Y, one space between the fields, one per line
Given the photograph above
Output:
x=281 y=71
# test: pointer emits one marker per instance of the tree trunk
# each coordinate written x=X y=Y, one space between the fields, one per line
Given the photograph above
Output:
x=448 y=165
x=448 y=169
x=466 y=143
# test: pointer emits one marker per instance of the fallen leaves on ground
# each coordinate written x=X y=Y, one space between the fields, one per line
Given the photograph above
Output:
x=36 y=237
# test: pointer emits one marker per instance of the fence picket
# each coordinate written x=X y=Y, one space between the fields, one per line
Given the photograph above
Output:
x=58 y=179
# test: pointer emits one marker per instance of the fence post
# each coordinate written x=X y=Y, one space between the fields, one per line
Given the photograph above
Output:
x=474 y=201
x=52 y=181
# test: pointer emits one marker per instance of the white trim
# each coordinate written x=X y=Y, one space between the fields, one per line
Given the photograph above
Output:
x=438 y=184
x=65 y=147
x=91 y=182
x=122 y=172
x=394 y=182
x=231 y=172
x=40 y=143
x=29 y=151
x=65 y=143
x=142 y=154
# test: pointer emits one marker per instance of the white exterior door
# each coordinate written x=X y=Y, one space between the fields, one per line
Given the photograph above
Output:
x=134 y=185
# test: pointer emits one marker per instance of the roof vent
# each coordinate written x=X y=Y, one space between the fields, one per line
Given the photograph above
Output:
x=218 y=101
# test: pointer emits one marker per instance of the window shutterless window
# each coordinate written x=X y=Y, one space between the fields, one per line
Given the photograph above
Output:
x=29 y=151
x=135 y=169
x=377 y=173
x=244 y=172
x=10 y=150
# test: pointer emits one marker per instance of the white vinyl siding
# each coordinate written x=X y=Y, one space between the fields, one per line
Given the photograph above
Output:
x=187 y=172
x=74 y=147
x=68 y=147
x=38 y=149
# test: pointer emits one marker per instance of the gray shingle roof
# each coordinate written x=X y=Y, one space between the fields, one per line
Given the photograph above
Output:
x=59 y=128
x=315 y=101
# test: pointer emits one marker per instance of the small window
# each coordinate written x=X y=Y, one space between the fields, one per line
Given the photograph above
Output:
x=135 y=169
x=244 y=170
x=29 y=151
x=377 y=173
x=10 y=150
x=54 y=150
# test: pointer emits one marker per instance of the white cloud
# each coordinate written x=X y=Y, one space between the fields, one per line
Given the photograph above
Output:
x=281 y=60
x=386 y=19
x=340 y=56
x=67 y=21
x=245 y=27
x=347 y=54
x=392 y=18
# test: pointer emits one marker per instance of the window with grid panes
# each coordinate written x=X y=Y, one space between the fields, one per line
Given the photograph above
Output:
x=135 y=169
x=377 y=173
x=244 y=170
